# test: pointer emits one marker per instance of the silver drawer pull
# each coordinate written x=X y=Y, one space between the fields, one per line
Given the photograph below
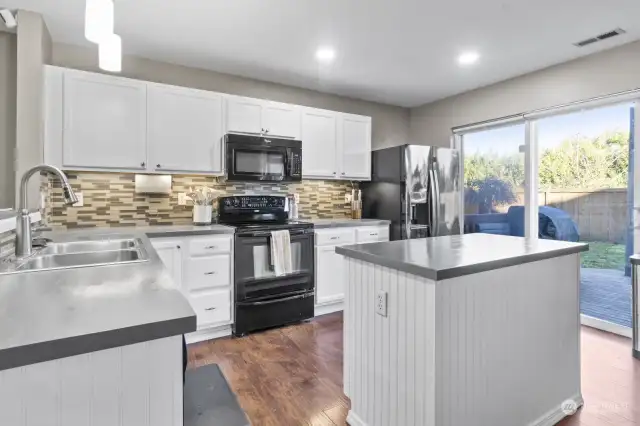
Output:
x=374 y=235
x=335 y=238
x=209 y=273
x=210 y=309
x=210 y=247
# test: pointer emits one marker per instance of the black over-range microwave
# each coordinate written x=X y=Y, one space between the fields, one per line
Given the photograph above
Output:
x=263 y=159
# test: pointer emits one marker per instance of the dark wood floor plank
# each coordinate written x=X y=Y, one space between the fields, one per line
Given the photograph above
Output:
x=293 y=375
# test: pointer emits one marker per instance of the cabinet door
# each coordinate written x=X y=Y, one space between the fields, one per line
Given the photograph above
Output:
x=354 y=147
x=281 y=120
x=319 y=137
x=184 y=130
x=105 y=122
x=170 y=252
x=330 y=274
x=244 y=115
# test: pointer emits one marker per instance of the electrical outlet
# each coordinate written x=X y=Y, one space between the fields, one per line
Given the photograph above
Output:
x=80 y=197
x=347 y=198
x=182 y=199
x=381 y=303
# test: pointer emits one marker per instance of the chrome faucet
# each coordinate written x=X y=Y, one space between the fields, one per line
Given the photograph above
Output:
x=23 y=224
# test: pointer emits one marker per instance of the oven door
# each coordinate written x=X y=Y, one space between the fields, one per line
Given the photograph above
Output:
x=255 y=279
x=257 y=163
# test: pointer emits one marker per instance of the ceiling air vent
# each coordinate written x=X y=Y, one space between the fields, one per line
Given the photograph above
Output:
x=600 y=37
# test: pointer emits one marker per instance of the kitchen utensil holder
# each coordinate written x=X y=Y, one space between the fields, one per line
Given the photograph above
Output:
x=202 y=214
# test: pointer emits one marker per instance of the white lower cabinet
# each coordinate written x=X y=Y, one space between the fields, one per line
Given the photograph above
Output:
x=331 y=279
x=170 y=252
x=202 y=268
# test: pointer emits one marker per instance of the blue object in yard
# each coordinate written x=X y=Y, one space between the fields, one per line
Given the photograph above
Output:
x=553 y=223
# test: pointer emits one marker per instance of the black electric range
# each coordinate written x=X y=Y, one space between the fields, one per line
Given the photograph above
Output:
x=263 y=299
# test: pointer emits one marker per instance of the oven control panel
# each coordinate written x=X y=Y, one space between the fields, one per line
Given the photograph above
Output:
x=254 y=202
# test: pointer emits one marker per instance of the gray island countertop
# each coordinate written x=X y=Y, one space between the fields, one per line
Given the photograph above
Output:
x=452 y=256
x=53 y=314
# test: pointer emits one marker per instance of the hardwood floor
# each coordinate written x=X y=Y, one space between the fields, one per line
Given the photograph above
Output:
x=293 y=376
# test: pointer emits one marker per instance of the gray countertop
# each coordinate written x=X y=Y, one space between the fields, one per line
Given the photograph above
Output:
x=440 y=258
x=53 y=314
x=338 y=223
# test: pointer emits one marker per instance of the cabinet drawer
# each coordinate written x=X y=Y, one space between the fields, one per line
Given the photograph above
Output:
x=208 y=272
x=212 y=308
x=334 y=237
x=372 y=234
x=209 y=245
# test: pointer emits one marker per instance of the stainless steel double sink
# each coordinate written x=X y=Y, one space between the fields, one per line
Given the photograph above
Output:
x=77 y=254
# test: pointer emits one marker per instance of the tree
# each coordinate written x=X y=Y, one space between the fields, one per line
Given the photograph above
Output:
x=488 y=193
x=581 y=162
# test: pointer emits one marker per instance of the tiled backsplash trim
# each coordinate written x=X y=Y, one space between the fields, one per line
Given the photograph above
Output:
x=110 y=200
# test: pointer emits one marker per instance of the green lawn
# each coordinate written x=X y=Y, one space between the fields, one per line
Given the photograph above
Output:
x=603 y=255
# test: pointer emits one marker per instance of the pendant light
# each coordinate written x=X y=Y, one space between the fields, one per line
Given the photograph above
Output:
x=110 y=53
x=99 y=20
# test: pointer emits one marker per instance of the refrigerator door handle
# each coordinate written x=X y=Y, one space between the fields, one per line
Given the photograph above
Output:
x=408 y=215
x=434 y=200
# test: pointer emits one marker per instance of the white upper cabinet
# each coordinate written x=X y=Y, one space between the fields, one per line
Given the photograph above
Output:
x=104 y=122
x=255 y=116
x=244 y=115
x=185 y=130
x=335 y=145
x=281 y=120
x=319 y=143
x=354 y=136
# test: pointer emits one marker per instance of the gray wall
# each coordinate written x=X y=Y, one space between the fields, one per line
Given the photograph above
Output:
x=8 y=45
x=390 y=123
x=34 y=51
x=600 y=74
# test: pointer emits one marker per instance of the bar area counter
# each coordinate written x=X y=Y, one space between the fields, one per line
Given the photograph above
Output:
x=470 y=330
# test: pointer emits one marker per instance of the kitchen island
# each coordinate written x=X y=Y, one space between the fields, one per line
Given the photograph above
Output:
x=470 y=330
x=98 y=345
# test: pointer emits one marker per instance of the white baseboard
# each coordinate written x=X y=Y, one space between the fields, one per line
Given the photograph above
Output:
x=548 y=419
x=554 y=416
x=208 y=334
x=329 y=308
x=354 y=420
x=605 y=326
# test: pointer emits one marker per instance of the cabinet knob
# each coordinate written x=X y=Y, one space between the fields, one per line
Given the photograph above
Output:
x=266 y=130
x=343 y=173
x=178 y=247
x=334 y=173
x=143 y=164
x=158 y=166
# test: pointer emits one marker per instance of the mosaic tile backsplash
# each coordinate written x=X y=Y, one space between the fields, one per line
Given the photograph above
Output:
x=110 y=199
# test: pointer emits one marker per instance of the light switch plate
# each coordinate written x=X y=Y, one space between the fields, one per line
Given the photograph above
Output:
x=381 y=303
x=182 y=199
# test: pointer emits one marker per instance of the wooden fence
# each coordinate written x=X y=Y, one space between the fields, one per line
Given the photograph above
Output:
x=601 y=215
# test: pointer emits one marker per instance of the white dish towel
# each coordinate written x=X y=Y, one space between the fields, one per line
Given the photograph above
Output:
x=281 y=253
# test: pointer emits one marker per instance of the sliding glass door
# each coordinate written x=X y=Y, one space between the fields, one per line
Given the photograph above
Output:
x=566 y=174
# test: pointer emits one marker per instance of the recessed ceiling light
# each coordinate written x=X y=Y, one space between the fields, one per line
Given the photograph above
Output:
x=468 y=58
x=325 y=54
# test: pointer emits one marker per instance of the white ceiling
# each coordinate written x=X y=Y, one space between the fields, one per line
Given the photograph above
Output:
x=400 y=52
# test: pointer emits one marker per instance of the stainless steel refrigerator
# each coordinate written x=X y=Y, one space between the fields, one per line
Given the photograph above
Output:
x=417 y=188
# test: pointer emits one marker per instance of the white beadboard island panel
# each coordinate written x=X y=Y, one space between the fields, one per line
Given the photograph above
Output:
x=499 y=347
x=135 y=385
